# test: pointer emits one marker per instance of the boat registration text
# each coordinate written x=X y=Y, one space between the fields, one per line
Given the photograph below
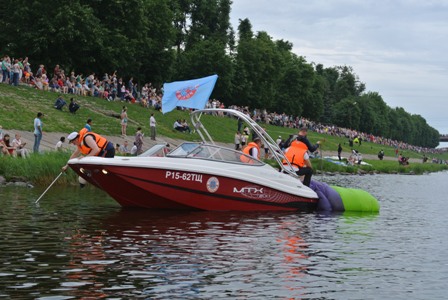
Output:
x=183 y=176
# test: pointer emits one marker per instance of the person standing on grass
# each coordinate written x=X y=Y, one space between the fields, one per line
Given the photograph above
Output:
x=152 y=126
x=124 y=121
x=88 y=125
x=139 y=141
x=37 y=132
x=339 y=151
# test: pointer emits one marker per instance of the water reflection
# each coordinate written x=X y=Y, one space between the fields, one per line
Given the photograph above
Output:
x=81 y=244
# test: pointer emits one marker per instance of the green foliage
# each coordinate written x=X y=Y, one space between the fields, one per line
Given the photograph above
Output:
x=161 y=41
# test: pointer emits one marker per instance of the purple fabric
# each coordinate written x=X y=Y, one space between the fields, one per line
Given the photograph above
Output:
x=329 y=199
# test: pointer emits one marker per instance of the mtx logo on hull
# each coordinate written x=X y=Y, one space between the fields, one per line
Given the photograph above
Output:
x=252 y=192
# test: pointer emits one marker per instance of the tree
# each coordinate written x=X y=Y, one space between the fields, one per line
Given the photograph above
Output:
x=347 y=113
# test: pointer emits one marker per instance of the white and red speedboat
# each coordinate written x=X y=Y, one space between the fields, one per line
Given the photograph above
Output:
x=200 y=176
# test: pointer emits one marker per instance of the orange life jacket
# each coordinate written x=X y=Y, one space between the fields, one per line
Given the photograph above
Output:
x=247 y=149
x=99 y=140
x=295 y=153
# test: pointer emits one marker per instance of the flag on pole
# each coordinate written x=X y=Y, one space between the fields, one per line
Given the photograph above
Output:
x=190 y=93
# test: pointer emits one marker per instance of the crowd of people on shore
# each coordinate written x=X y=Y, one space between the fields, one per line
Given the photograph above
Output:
x=112 y=87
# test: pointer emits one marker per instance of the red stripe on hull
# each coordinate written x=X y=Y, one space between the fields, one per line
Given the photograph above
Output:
x=165 y=189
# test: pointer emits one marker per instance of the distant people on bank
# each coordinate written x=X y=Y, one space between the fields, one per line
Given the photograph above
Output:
x=124 y=149
x=152 y=126
x=381 y=154
x=178 y=126
x=339 y=151
x=37 y=132
x=139 y=140
x=184 y=123
x=402 y=160
x=60 y=144
x=237 y=140
x=73 y=106
x=278 y=141
x=355 y=158
x=298 y=157
x=134 y=150
x=244 y=139
x=124 y=120
x=89 y=144
x=88 y=125
x=7 y=148
x=60 y=103
x=19 y=146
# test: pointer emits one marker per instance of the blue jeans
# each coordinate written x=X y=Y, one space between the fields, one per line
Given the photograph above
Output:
x=15 y=79
x=37 y=138
x=5 y=75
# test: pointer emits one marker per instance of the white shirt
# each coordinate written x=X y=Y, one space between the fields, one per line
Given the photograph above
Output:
x=152 y=121
x=176 y=124
x=134 y=150
x=58 y=146
x=37 y=123
x=16 y=143
x=254 y=151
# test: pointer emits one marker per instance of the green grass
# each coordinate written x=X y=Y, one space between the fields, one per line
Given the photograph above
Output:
x=19 y=107
x=38 y=169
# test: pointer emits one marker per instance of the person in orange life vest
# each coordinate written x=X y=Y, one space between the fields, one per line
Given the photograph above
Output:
x=302 y=137
x=297 y=155
x=89 y=143
x=252 y=149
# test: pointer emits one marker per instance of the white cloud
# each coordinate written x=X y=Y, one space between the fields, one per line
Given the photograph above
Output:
x=397 y=47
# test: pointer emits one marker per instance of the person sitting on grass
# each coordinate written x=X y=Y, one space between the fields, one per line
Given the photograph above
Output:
x=7 y=148
x=20 y=147
x=73 y=106
x=60 y=103
x=178 y=126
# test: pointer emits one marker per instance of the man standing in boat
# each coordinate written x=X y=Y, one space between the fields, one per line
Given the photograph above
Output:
x=302 y=137
x=89 y=144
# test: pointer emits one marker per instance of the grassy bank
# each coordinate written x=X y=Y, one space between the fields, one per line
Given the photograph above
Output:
x=19 y=106
x=42 y=169
x=39 y=169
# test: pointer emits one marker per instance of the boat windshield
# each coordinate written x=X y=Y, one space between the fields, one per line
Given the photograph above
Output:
x=213 y=152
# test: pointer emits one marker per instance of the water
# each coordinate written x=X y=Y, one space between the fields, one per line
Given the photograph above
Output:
x=79 y=244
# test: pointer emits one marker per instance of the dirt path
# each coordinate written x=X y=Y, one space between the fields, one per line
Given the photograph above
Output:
x=50 y=139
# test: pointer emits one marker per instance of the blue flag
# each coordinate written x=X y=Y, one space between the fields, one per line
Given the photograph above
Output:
x=190 y=93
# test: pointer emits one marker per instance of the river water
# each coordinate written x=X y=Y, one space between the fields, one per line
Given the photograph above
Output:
x=79 y=244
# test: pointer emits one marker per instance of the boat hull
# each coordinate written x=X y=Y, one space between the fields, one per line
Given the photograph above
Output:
x=159 y=188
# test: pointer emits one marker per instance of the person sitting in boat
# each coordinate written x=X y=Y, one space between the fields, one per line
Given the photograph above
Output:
x=89 y=143
x=297 y=155
x=252 y=149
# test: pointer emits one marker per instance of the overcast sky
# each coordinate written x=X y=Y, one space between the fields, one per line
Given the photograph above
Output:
x=398 y=48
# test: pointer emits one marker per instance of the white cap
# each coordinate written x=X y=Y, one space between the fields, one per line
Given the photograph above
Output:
x=72 y=136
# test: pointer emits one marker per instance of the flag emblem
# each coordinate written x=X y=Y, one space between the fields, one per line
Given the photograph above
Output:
x=187 y=93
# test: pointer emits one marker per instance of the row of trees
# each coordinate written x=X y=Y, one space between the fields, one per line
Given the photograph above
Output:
x=165 y=40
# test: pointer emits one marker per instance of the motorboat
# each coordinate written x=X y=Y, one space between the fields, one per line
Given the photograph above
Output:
x=203 y=175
